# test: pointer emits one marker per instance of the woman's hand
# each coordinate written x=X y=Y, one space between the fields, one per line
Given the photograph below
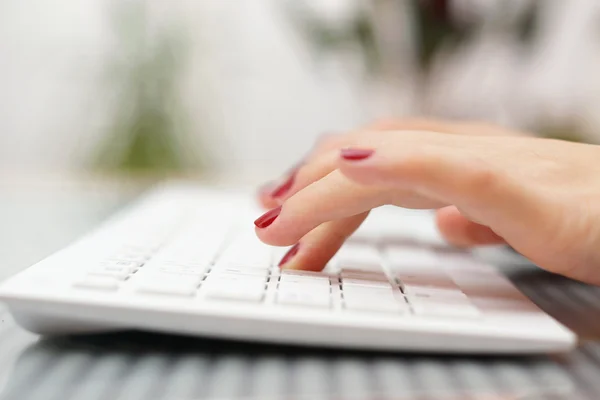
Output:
x=540 y=196
x=327 y=239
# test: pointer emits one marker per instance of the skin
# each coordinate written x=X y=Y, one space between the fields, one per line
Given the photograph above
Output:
x=487 y=184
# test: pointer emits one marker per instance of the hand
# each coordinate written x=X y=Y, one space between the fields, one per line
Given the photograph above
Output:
x=329 y=236
x=538 y=195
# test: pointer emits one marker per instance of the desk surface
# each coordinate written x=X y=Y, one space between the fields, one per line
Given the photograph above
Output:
x=131 y=366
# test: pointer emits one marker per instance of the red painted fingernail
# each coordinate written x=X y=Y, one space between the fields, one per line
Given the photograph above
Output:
x=267 y=218
x=356 y=154
x=289 y=255
x=284 y=187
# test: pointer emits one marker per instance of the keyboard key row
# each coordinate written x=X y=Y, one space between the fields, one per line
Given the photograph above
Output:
x=355 y=298
x=240 y=271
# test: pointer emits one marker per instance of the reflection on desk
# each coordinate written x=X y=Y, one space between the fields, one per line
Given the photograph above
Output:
x=135 y=365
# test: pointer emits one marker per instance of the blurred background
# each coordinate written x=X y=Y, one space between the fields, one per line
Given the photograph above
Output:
x=241 y=89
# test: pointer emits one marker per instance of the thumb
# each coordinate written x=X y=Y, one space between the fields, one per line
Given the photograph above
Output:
x=459 y=231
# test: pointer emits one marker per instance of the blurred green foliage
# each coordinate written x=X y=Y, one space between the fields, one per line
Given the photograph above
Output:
x=435 y=29
x=324 y=37
x=148 y=125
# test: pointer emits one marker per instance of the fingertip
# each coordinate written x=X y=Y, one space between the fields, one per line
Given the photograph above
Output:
x=304 y=257
x=271 y=230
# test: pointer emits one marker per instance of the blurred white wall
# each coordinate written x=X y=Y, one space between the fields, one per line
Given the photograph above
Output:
x=257 y=101
x=49 y=57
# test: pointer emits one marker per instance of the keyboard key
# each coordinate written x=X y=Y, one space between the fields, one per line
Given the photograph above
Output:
x=445 y=309
x=372 y=299
x=244 y=257
x=304 y=295
x=412 y=258
x=368 y=292
x=296 y=272
x=221 y=279
x=302 y=287
x=243 y=292
x=196 y=251
x=373 y=305
x=184 y=258
x=365 y=282
x=97 y=283
x=432 y=291
x=431 y=279
x=183 y=269
x=247 y=257
x=169 y=268
x=226 y=269
x=303 y=298
x=167 y=284
x=368 y=275
x=246 y=250
x=303 y=279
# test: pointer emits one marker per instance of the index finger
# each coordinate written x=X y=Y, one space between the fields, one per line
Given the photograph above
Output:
x=331 y=198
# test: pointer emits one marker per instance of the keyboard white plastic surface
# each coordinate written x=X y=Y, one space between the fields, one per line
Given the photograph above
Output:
x=187 y=260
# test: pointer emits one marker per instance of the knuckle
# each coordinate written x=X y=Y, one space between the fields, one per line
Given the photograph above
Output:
x=415 y=165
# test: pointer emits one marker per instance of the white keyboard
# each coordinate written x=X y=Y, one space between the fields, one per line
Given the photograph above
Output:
x=186 y=260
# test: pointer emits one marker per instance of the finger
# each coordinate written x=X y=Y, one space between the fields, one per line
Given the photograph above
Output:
x=461 y=232
x=316 y=248
x=331 y=198
x=454 y=172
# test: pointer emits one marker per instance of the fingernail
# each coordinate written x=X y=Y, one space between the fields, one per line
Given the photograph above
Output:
x=356 y=154
x=267 y=218
x=289 y=255
x=284 y=187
